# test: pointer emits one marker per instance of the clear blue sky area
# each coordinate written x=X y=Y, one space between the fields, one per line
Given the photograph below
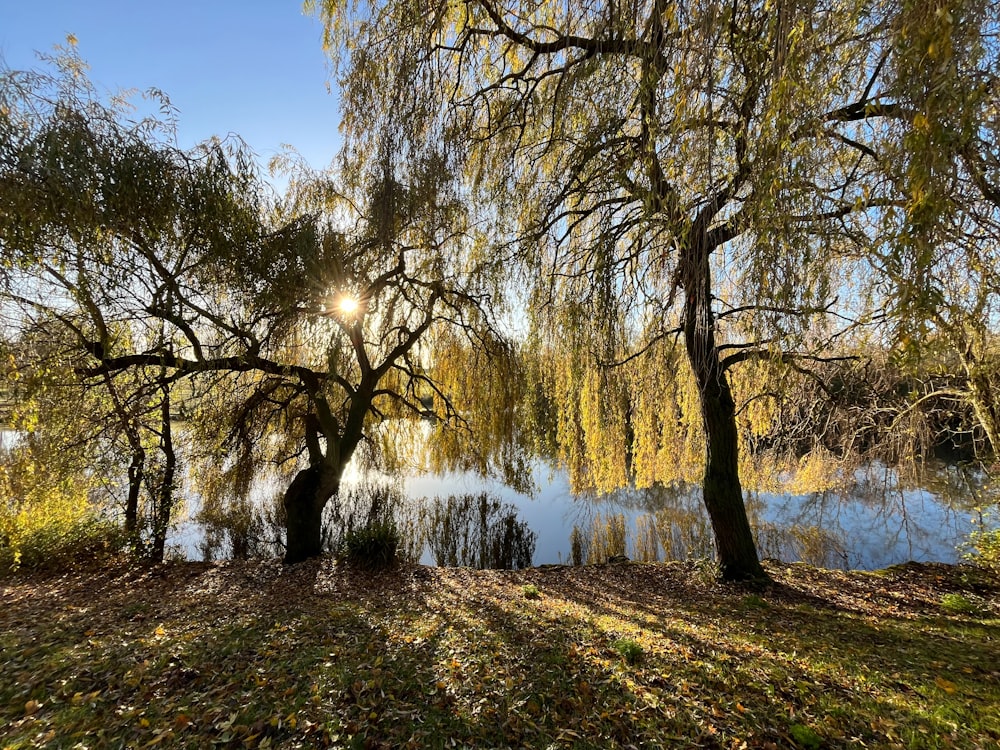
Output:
x=254 y=68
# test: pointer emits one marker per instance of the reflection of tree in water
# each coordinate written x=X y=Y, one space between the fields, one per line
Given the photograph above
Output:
x=248 y=529
x=374 y=503
x=240 y=530
x=818 y=541
x=877 y=520
x=478 y=531
x=672 y=525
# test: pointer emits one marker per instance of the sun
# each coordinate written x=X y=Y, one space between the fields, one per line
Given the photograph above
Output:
x=348 y=305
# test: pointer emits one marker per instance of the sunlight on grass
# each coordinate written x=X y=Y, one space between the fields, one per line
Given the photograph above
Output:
x=650 y=655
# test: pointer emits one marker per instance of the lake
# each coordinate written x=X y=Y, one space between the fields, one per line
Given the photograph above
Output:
x=463 y=519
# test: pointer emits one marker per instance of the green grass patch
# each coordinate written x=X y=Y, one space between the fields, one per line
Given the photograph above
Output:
x=629 y=650
x=959 y=604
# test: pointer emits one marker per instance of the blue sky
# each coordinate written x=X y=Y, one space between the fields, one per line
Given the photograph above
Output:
x=254 y=68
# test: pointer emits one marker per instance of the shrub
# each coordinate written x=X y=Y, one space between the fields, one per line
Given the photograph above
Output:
x=984 y=549
x=61 y=544
x=372 y=547
x=47 y=520
x=530 y=591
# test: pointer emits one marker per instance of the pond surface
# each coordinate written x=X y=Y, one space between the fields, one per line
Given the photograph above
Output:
x=462 y=519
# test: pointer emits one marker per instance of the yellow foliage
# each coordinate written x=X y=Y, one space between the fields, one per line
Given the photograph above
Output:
x=603 y=424
x=669 y=445
x=816 y=472
x=36 y=509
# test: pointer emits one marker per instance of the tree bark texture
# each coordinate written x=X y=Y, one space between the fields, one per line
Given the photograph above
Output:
x=985 y=406
x=165 y=496
x=136 y=476
x=304 y=502
x=723 y=493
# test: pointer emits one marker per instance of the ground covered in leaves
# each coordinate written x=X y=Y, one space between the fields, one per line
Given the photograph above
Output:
x=254 y=654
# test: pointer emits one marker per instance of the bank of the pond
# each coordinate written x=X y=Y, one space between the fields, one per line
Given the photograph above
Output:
x=254 y=654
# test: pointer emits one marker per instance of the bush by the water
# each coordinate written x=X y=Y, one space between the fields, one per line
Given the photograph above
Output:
x=984 y=549
x=372 y=547
x=58 y=543
x=48 y=520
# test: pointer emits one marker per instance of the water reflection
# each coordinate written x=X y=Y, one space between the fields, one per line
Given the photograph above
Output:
x=879 y=520
x=463 y=520
x=240 y=530
x=673 y=525
x=470 y=530
x=478 y=531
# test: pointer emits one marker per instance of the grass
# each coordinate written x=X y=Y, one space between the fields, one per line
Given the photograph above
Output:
x=319 y=655
x=631 y=651
x=958 y=604
x=530 y=591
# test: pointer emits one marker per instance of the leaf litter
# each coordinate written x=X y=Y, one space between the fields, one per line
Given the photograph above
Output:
x=256 y=654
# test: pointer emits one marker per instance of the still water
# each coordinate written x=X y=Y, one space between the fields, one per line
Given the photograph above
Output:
x=463 y=519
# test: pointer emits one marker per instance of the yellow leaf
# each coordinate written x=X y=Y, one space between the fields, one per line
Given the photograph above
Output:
x=159 y=632
x=947 y=686
x=31 y=707
x=158 y=738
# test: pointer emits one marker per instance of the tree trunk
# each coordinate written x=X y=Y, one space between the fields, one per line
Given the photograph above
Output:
x=723 y=493
x=721 y=486
x=136 y=476
x=307 y=495
x=979 y=382
x=985 y=407
x=165 y=496
x=304 y=501
x=136 y=468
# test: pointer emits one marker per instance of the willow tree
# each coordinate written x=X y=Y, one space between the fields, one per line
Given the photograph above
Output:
x=945 y=252
x=665 y=170
x=54 y=138
x=295 y=328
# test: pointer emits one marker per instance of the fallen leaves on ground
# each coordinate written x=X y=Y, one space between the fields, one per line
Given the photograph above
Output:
x=256 y=654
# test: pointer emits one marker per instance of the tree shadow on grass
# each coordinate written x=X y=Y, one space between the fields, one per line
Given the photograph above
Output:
x=315 y=655
x=786 y=653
